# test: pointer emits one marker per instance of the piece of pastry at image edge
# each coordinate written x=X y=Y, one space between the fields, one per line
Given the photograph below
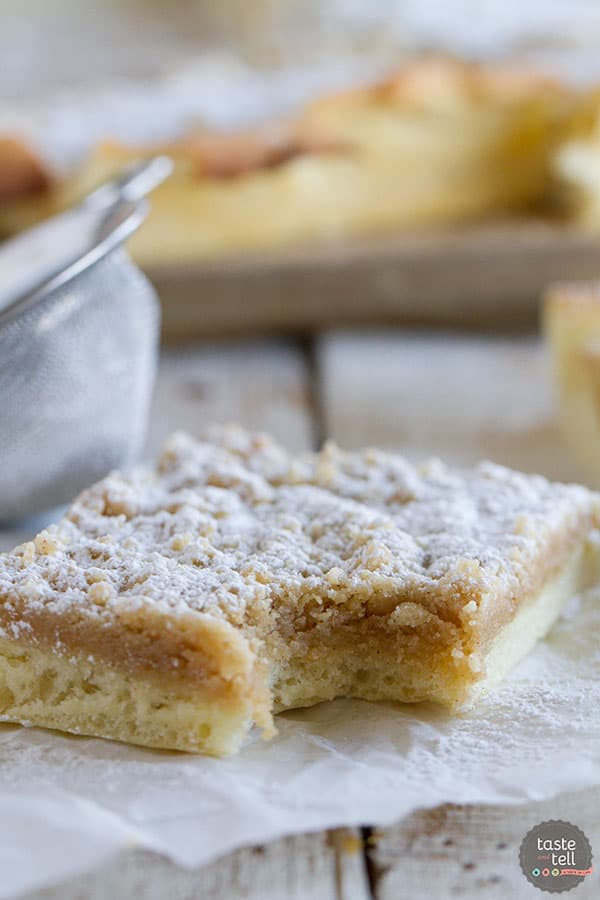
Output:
x=178 y=606
x=440 y=141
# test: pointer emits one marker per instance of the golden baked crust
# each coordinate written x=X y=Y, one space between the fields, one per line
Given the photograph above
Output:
x=576 y=163
x=234 y=580
x=229 y=192
x=440 y=141
x=22 y=173
x=439 y=83
x=222 y=155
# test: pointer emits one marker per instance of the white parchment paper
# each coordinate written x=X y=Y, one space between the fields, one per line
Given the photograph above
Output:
x=68 y=802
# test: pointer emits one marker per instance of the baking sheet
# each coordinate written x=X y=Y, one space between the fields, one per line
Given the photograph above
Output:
x=68 y=802
x=486 y=275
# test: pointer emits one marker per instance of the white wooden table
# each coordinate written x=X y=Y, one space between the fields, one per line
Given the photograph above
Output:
x=457 y=397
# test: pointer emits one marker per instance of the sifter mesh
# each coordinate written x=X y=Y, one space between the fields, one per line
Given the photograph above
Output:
x=78 y=348
x=76 y=376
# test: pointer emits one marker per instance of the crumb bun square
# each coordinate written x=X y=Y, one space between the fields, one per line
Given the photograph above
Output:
x=176 y=606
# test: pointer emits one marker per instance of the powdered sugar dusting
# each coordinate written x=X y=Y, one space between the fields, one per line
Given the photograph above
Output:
x=232 y=525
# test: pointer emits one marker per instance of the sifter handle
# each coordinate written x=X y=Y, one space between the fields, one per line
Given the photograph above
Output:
x=133 y=183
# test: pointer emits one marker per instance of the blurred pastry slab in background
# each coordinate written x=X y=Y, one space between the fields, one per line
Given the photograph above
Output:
x=431 y=196
x=465 y=140
x=440 y=141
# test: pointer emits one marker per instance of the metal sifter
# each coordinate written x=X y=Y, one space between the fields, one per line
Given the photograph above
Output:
x=79 y=327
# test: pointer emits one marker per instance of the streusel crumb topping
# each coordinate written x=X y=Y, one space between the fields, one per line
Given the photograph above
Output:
x=235 y=527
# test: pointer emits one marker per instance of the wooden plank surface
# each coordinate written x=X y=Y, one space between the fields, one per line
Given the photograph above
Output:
x=322 y=866
x=263 y=385
x=473 y=851
x=478 y=276
x=461 y=398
